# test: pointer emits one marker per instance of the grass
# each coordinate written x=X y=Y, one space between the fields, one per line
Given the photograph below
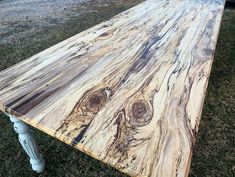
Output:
x=214 y=154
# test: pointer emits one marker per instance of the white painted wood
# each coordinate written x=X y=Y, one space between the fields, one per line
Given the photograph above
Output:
x=28 y=143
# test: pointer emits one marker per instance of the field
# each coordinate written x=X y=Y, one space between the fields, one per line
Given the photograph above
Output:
x=214 y=153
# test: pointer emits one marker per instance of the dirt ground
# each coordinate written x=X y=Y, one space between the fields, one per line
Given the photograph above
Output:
x=22 y=18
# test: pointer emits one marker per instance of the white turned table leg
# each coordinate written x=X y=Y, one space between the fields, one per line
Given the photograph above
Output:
x=29 y=144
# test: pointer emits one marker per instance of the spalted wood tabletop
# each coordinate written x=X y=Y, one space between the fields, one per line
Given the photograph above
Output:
x=128 y=91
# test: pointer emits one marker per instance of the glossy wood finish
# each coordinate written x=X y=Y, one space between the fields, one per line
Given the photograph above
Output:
x=128 y=91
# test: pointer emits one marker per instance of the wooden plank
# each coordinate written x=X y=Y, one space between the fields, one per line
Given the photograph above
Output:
x=128 y=91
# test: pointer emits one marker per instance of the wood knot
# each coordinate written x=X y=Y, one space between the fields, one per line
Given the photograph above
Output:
x=141 y=113
x=106 y=34
x=139 y=110
x=96 y=101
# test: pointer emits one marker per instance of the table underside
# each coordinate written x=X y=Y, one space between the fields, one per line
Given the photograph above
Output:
x=128 y=91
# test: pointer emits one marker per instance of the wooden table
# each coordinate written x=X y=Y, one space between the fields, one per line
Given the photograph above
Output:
x=128 y=91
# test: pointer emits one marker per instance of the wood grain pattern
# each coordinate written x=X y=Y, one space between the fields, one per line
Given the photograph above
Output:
x=128 y=91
